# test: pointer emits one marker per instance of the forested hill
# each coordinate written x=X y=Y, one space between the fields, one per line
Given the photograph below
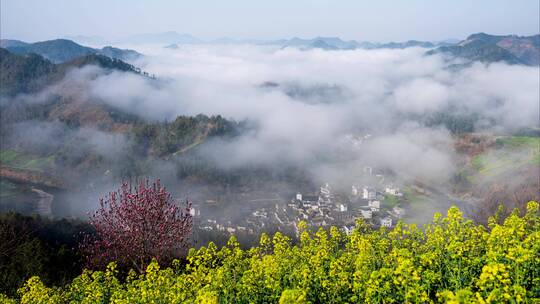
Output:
x=491 y=48
x=30 y=73
x=63 y=50
x=38 y=96
x=22 y=74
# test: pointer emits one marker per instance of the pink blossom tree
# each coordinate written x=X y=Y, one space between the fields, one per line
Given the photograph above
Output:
x=134 y=225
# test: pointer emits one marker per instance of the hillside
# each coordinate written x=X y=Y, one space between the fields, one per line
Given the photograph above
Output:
x=63 y=50
x=76 y=126
x=486 y=48
x=407 y=44
x=27 y=73
x=22 y=74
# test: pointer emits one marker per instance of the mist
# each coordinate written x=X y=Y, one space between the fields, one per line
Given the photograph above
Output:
x=305 y=104
x=330 y=113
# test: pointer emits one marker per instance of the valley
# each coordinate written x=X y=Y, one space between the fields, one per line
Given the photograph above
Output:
x=269 y=152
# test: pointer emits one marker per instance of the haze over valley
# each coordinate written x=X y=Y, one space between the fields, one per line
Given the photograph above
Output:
x=223 y=121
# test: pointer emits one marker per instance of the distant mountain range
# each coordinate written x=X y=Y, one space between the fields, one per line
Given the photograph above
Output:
x=335 y=43
x=481 y=47
x=63 y=50
x=324 y=43
x=477 y=47
x=486 y=48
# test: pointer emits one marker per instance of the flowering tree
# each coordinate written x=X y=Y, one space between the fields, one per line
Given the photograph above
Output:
x=136 y=224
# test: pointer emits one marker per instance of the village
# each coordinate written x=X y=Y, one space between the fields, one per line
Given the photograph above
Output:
x=323 y=208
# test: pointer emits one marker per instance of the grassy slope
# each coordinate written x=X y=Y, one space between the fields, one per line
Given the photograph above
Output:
x=15 y=159
x=511 y=152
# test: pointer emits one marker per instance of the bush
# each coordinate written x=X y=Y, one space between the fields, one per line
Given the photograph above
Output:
x=450 y=260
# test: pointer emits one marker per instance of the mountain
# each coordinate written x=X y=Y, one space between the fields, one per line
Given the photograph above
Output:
x=4 y=43
x=486 y=48
x=126 y=55
x=336 y=43
x=172 y=40
x=326 y=43
x=62 y=50
x=447 y=42
x=406 y=44
x=23 y=73
x=321 y=44
x=59 y=50
x=173 y=46
x=27 y=73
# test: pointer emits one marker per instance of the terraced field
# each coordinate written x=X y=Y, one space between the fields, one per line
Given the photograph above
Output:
x=17 y=160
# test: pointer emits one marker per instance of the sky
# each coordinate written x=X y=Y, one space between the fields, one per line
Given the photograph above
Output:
x=381 y=21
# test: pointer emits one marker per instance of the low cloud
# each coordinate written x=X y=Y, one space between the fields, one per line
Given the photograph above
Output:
x=312 y=108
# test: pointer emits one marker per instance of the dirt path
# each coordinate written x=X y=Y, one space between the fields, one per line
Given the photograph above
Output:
x=44 y=204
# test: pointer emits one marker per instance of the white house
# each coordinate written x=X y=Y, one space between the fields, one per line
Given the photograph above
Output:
x=399 y=212
x=347 y=230
x=195 y=211
x=367 y=214
x=369 y=193
x=392 y=190
x=374 y=205
x=259 y=213
x=299 y=196
x=386 y=222
x=354 y=191
x=342 y=207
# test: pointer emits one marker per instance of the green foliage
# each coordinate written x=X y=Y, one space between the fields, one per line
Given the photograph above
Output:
x=32 y=246
x=455 y=123
x=451 y=260
x=183 y=133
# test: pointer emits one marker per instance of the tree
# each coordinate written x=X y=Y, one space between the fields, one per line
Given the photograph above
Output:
x=134 y=225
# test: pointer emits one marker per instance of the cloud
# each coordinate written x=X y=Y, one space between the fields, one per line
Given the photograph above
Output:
x=421 y=96
x=307 y=105
x=416 y=153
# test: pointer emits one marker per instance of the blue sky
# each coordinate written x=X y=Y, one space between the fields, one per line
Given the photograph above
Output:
x=381 y=20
